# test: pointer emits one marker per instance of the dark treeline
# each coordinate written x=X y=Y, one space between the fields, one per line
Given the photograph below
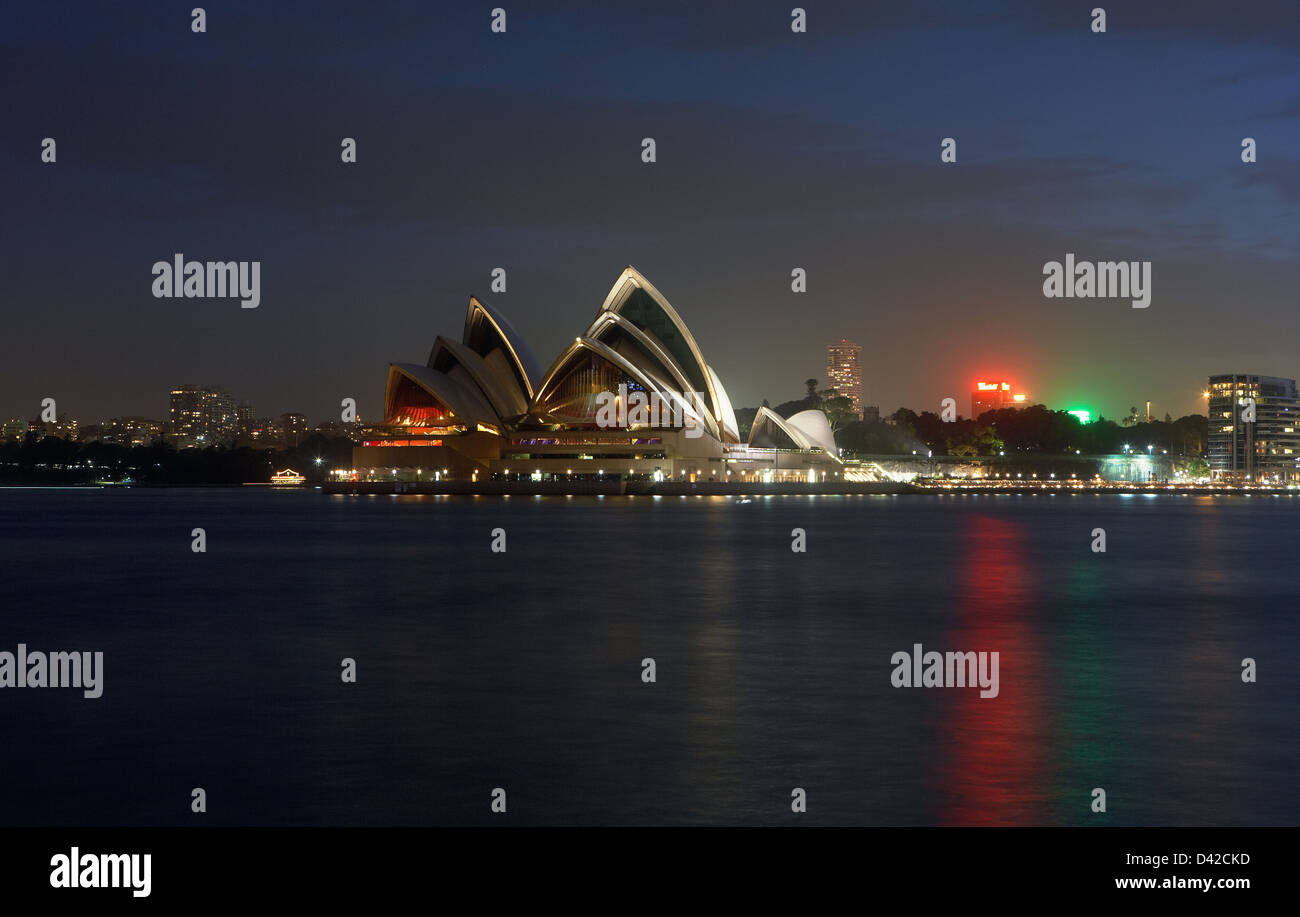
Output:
x=1030 y=430
x=1034 y=429
x=60 y=461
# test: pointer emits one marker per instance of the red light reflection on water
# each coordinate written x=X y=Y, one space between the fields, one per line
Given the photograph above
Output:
x=992 y=756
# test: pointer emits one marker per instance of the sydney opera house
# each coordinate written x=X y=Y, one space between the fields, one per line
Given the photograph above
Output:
x=482 y=408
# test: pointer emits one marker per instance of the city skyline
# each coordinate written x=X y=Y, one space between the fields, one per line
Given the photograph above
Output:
x=526 y=163
x=197 y=415
x=164 y=414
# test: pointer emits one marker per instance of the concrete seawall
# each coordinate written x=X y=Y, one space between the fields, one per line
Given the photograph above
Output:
x=705 y=489
x=609 y=488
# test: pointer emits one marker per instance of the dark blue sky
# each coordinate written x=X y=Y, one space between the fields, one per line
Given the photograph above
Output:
x=522 y=151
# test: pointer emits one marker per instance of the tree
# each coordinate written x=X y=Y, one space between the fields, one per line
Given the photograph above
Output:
x=812 y=389
x=986 y=441
x=904 y=417
x=838 y=409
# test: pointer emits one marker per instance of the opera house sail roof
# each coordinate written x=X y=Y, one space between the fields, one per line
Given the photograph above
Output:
x=489 y=380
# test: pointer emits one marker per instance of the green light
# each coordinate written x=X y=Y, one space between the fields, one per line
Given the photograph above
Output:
x=1084 y=415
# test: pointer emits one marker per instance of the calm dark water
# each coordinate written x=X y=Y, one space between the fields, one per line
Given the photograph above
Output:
x=523 y=670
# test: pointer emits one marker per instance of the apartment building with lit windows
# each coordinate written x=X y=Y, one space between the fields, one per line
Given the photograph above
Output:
x=844 y=372
x=1254 y=427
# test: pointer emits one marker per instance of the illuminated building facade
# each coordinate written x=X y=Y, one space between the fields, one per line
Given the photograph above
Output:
x=63 y=428
x=244 y=418
x=844 y=371
x=1264 y=448
x=203 y=416
x=131 y=431
x=265 y=432
x=481 y=407
x=993 y=396
x=14 y=430
x=293 y=429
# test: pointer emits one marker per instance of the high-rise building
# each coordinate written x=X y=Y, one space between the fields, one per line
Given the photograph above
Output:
x=1252 y=427
x=844 y=370
x=203 y=416
x=294 y=427
x=268 y=431
x=244 y=418
x=992 y=396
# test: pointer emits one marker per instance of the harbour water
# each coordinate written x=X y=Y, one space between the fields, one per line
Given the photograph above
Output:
x=523 y=669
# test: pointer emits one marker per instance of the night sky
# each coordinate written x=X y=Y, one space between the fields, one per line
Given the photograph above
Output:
x=775 y=151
